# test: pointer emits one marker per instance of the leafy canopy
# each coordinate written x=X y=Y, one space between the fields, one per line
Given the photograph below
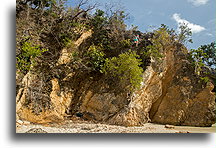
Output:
x=96 y=58
x=205 y=54
x=126 y=67
x=28 y=55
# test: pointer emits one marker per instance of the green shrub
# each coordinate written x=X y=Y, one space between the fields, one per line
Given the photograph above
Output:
x=202 y=57
x=161 y=39
x=96 y=58
x=148 y=52
x=27 y=56
x=126 y=68
x=185 y=34
x=153 y=51
x=210 y=50
x=205 y=79
x=75 y=55
x=196 y=56
x=125 y=43
x=99 y=20
x=32 y=51
x=159 y=43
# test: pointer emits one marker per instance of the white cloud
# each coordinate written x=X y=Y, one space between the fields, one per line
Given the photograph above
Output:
x=194 y=28
x=198 y=2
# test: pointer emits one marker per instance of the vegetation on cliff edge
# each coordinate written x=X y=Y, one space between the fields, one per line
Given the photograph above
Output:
x=45 y=27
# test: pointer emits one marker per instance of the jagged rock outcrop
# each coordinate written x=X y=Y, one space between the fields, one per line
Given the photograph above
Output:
x=29 y=111
x=155 y=81
x=186 y=101
x=29 y=100
x=171 y=93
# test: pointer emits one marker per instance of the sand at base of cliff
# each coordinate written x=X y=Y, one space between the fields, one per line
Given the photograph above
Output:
x=86 y=127
x=197 y=129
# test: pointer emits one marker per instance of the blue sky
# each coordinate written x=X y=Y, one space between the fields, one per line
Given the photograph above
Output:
x=200 y=15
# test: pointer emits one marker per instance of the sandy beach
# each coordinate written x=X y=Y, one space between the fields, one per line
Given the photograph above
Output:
x=86 y=127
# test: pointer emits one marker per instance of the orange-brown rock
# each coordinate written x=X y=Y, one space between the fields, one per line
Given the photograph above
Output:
x=171 y=93
x=185 y=99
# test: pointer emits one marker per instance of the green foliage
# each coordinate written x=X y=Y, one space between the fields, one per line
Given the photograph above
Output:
x=65 y=41
x=161 y=39
x=149 y=52
x=126 y=68
x=31 y=50
x=75 y=56
x=185 y=34
x=196 y=58
x=42 y=3
x=166 y=28
x=209 y=54
x=125 y=43
x=99 y=19
x=100 y=32
x=201 y=57
x=109 y=30
x=205 y=79
x=198 y=54
x=116 y=20
x=27 y=57
x=96 y=58
x=153 y=51
x=159 y=42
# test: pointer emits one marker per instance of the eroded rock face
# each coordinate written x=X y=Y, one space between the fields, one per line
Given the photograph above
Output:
x=186 y=102
x=30 y=109
x=170 y=94
x=137 y=111
x=35 y=105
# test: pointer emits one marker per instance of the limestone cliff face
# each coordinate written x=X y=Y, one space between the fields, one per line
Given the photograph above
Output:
x=185 y=101
x=170 y=93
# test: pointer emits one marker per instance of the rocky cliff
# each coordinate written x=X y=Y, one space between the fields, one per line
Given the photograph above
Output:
x=171 y=93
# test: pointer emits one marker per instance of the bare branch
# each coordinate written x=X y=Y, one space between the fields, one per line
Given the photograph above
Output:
x=82 y=3
x=81 y=10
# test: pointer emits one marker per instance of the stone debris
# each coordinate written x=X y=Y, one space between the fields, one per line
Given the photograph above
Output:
x=169 y=126
x=85 y=127
x=182 y=132
x=36 y=130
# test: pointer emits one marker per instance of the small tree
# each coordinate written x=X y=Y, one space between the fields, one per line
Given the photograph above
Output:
x=185 y=34
x=196 y=55
x=126 y=68
x=205 y=55
x=161 y=39
x=96 y=58
x=210 y=51
x=27 y=56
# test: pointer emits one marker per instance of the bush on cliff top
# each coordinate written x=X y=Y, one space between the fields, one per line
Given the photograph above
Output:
x=126 y=67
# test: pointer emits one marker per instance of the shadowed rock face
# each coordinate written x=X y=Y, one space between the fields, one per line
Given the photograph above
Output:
x=171 y=93
x=186 y=101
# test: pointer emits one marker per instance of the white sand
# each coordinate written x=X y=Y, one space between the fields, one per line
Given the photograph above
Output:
x=86 y=127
